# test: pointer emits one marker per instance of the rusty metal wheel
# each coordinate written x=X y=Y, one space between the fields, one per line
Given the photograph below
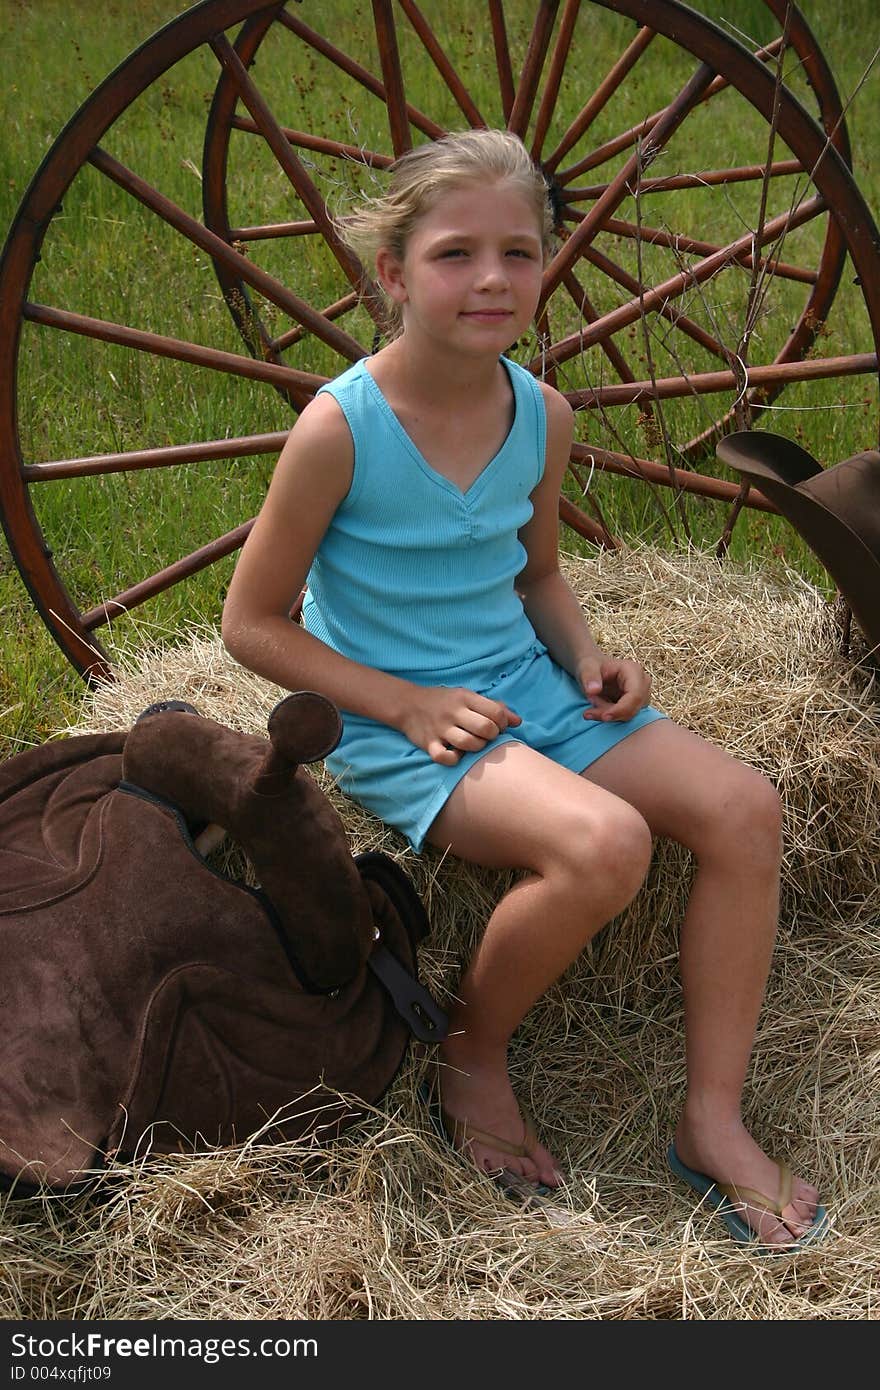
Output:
x=685 y=284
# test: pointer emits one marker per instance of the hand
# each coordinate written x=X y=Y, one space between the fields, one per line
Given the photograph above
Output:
x=448 y=721
x=616 y=689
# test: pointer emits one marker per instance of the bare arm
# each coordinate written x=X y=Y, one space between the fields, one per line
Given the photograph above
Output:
x=312 y=477
x=617 y=689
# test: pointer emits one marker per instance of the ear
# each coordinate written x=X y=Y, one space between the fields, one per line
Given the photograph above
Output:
x=390 y=274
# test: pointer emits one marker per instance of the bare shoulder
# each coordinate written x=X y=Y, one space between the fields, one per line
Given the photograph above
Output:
x=560 y=430
x=311 y=478
x=319 y=451
x=559 y=413
x=322 y=425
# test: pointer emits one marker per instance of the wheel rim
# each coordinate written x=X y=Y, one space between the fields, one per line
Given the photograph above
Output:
x=321 y=334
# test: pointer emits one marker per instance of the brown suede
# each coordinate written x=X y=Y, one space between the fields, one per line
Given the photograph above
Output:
x=151 y=1002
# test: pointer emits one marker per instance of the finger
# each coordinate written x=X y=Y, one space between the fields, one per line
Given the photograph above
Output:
x=618 y=710
x=479 y=726
x=634 y=677
x=590 y=681
x=625 y=708
x=464 y=741
x=599 y=710
x=438 y=752
x=497 y=713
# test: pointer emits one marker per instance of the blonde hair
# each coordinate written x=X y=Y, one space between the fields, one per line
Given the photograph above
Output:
x=419 y=179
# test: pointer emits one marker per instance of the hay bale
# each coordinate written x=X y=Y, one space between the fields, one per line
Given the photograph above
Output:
x=385 y=1224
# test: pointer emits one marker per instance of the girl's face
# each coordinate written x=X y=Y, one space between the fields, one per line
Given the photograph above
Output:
x=470 y=276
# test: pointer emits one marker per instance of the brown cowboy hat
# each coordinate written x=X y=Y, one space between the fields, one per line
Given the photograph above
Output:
x=836 y=510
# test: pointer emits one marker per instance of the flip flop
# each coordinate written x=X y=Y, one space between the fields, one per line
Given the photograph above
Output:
x=729 y=1200
x=513 y=1185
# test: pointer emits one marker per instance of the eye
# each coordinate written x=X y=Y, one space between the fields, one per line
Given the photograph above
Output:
x=521 y=253
x=452 y=253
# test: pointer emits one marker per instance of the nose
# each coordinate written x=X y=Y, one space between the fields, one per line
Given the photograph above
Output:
x=492 y=273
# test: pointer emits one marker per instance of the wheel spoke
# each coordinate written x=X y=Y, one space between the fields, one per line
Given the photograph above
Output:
x=696 y=274
x=295 y=171
x=109 y=609
x=271 y=230
x=667 y=311
x=744 y=173
x=258 y=279
x=602 y=153
x=356 y=70
x=332 y=312
x=176 y=348
x=169 y=456
x=619 y=187
x=530 y=76
x=584 y=525
x=766 y=382
x=392 y=76
x=338 y=149
x=585 y=306
x=707 y=383
x=648 y=470
x=554 y=76
x=502 y=57
x=677 y=241
x=601 y=97
x=463 y=98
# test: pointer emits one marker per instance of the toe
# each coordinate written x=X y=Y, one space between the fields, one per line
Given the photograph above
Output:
x=548 y=1173
x=769 y=1228
x=800 y=1213
x=536 y=1167
x=493 y=1162
x=793 y=1222
x=772 y=1231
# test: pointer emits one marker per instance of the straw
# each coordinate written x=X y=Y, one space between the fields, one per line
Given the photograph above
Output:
x=387 y=1223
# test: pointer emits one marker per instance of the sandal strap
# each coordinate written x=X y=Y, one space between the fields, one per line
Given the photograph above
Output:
x=747 y=1196
x=469 y=1133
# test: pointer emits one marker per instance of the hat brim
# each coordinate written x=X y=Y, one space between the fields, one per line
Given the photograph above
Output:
x=767 y=456
x=776 y=466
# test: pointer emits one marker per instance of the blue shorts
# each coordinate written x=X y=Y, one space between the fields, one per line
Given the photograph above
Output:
x=404 y=787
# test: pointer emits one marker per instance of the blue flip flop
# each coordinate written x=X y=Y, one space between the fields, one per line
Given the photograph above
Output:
x=729 y=1200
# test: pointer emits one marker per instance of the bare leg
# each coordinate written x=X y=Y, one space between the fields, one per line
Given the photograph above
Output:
x=729 y=816
x=586 y=853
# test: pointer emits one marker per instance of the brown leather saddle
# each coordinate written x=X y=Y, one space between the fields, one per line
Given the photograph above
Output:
x=150 y=1001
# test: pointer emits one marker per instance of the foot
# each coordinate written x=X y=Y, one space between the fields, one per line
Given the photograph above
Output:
x=479 y=1097
x=728 y=1154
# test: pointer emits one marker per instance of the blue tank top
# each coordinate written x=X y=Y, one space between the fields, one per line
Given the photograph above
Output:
x=414 y=576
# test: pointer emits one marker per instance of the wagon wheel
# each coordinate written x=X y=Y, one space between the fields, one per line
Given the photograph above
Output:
x=636 y=278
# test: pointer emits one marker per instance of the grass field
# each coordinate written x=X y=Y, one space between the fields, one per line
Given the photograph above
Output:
x=106 y=256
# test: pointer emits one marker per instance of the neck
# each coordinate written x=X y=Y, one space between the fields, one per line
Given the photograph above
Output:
x=436 y=375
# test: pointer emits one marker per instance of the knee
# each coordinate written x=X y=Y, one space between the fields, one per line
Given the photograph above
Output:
x=749 y=819
x=610 y=855
x=762 y=810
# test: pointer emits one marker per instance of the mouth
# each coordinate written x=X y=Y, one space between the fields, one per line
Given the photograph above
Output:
x=488 y=315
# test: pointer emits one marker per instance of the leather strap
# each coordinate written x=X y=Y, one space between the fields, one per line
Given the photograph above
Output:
x=425 y=1018
x=747 y=1196
x=470 y=1134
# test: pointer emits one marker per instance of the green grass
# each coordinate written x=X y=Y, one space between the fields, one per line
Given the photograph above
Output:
x=107 y=256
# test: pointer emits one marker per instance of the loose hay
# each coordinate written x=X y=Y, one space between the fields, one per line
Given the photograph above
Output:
x=385 y=1224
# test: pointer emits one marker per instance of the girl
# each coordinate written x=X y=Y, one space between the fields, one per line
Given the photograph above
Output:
x=418 y=495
